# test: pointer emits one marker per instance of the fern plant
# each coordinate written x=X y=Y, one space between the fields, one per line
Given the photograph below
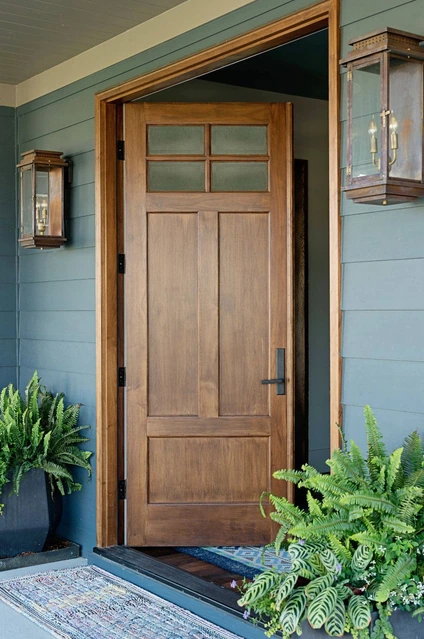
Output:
x=367 y=519
x=39 y=431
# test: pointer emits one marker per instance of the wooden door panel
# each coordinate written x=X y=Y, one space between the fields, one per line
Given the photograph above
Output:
x=212 y=524
x=207 y=304
x=208 y=470
x=209 y=426
x=173 y=313
x=244 y=313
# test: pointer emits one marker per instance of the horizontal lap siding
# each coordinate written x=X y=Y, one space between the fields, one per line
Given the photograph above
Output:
x=383 y=276
x=8 y=350
x=57 y=288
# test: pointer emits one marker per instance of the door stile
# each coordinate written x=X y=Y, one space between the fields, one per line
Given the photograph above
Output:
x=208 y=314
x=136 y=319
x=281 y=150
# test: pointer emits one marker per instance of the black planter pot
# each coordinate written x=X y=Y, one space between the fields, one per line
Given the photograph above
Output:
x=404 y=625
x=28 y=518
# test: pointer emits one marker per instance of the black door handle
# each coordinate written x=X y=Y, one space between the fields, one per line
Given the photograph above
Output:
x=280 y=366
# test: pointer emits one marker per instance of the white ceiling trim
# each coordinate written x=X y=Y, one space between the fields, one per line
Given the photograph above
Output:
x=7 y=95
x=167 y=25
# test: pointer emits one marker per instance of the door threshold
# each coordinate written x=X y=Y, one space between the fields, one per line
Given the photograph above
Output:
x=189 y=584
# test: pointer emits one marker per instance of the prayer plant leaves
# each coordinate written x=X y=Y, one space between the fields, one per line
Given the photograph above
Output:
x=321 y=607
x=285 y=588
x=293 y=611
x=361 y=558
x=335 y=624
x=359 y=612
x=316 y=586
x=263 y=583
x=329 y=560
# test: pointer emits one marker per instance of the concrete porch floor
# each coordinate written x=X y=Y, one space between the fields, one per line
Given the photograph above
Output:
x=15 y=625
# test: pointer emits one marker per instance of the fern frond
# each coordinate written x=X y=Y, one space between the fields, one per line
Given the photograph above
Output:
x=395 y=575
x=368 y=499
x=375 y=443
x=413 y=454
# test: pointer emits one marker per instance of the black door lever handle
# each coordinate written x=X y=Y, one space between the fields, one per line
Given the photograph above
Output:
x=280 y=371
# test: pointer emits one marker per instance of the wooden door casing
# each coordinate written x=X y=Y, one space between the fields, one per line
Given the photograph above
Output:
x=208 y=300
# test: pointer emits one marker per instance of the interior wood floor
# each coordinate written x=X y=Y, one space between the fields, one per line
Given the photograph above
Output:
x=193 y=565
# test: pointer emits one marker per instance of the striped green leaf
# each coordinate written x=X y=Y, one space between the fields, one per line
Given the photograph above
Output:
x=361 y=558
x=343 y=592
x=359 y=612
x=329 y=560
x=293 y=611
x=321 y=607
x=316 y=586
x=262 y=585
x=303 y=569
x=335 y=624
x=285 y=589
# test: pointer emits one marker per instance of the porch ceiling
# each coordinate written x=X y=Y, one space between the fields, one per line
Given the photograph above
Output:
x=38 y=34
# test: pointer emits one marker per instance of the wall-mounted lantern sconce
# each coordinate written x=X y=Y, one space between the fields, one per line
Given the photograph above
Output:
x=385 y=118
x=42 y=185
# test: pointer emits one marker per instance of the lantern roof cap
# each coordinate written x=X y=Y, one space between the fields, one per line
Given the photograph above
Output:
x=386 y=39
x=48 y=158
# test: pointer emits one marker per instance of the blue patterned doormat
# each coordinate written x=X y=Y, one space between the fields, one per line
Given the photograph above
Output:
x=246 y=561
x=89 y=603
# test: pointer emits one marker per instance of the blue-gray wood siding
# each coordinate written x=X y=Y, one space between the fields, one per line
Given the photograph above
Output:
x=383 y=251
x=8 y=341
x=383 y=276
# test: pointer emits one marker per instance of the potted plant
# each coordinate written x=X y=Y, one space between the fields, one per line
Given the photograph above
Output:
x=39 y=444
x=357 y=550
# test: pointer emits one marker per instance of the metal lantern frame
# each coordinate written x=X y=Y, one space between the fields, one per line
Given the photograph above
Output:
x=381 y=47
x=51 y=218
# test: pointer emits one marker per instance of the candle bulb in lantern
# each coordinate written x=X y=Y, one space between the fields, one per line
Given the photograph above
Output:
x=372 y=130
x=394 y=141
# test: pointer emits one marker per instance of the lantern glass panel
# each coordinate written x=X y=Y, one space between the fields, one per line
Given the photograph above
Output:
x=366 y=121
x=42 y=208
x=405 y=119
x=26 y=203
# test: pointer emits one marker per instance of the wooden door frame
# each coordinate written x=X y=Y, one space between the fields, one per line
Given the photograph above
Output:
x=108 y=236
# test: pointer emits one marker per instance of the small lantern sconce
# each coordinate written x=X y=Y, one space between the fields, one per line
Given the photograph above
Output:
x=385 y=92
x=42 y=199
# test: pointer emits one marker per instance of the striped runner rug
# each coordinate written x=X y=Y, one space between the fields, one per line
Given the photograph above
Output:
x=89 y=603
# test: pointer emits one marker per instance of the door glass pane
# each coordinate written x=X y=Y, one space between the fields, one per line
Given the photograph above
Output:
x=176 y=176
x=239 y=176
x=405 y=119
x=42 y=202
x=175 y=140
x=239 y=140
x=366 y=121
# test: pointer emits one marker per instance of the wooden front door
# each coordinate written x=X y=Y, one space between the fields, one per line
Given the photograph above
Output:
x=208 y=199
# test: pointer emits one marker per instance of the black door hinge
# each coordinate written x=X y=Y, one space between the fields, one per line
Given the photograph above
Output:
x=120 y=149
x=122 y=489
x=121 y=263
x=122 y=376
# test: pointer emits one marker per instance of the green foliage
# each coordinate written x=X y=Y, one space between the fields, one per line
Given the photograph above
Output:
x=358 y=544
x=321 y=607
x=359 y=611
x=38 y=431
x=335 y=624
